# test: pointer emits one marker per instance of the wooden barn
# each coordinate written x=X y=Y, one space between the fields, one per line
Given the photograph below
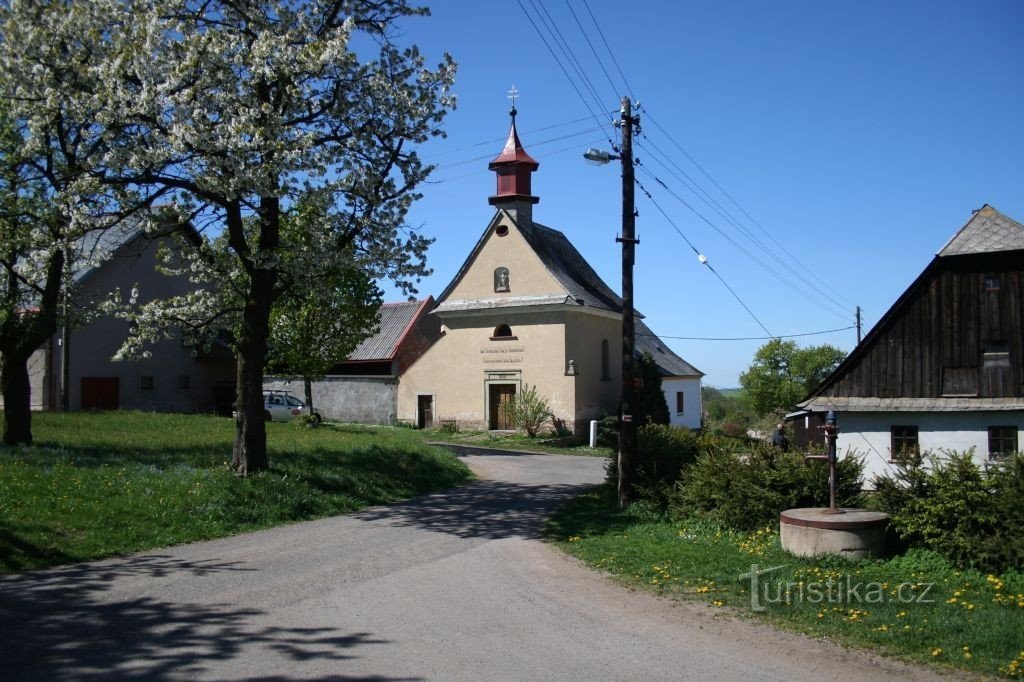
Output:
x=944 y=368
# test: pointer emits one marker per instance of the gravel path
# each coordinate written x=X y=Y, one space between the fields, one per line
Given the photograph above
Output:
x=453 y=586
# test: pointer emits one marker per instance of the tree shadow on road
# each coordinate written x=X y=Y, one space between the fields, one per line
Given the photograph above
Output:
x=485 y=509
x=57 y=624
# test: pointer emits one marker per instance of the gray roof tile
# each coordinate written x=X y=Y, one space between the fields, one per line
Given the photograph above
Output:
x=670 y=364
x=987 y=231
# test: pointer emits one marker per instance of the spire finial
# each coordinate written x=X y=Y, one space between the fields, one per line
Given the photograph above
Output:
x=512 y=96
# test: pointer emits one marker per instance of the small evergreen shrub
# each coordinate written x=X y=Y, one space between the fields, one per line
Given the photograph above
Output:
x=972 y=515
x=608 y=432
x=748 y=490
x=663 y=453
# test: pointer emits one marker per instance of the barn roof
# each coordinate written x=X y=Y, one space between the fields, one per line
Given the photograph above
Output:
x=988 y=231
x=394 y=320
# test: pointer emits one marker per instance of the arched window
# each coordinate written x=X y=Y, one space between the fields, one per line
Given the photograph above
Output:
x=604 y=360
x=502 y=331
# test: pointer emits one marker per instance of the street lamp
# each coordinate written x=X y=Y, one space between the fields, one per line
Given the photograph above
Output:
x=627 y=428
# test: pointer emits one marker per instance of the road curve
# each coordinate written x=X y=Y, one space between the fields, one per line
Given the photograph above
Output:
x=452 y=586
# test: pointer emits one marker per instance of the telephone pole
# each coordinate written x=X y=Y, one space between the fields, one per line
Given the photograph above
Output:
x=627 y=427
x=858 y=325
x=627 y=432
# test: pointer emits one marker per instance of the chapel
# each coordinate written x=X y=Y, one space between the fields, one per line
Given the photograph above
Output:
x=526 y=309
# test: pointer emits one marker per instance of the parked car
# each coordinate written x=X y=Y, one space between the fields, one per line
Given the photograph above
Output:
x=279 y=406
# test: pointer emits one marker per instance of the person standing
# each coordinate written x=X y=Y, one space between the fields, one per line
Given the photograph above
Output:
x=779 y=439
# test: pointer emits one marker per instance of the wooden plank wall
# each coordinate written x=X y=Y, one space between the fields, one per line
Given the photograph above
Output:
x=948 y=321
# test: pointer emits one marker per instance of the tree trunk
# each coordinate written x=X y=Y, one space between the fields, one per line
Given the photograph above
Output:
x=249 y=454
x=21 y=335
x=309 y=394
x=17 y=393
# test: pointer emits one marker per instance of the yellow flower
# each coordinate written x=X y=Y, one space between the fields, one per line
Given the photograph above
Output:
x=936 y=651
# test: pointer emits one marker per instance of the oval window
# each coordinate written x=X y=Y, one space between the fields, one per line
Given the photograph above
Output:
x=502 y=330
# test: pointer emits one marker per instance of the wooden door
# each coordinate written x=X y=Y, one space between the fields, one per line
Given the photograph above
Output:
x=500 y=395
x=425 y=411
x=100 y=393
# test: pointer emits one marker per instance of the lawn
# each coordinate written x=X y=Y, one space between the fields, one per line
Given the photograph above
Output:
x=516 y=441
x=916 y=606
x=102 y=484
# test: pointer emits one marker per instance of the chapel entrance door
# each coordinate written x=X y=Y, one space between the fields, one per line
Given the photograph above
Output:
x=500 y=395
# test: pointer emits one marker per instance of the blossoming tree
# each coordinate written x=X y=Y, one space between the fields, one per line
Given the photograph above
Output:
x=230 y=111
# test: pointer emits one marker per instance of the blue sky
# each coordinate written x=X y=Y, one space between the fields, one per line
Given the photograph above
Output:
x=858 y=135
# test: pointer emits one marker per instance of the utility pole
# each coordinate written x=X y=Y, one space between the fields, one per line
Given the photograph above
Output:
x=858 y=325
x=627 y=427
x=627 y=432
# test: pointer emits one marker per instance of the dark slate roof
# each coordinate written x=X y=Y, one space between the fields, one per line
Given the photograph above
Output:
x=669 y=364
x=395 y=321
x=98 y=246
x=570 y=269
x=987 y=231
x=560 y=258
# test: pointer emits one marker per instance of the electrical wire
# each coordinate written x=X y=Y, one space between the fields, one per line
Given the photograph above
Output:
x=702 y=258
x=574 y=147
x=750 y=338
x=533 y=145
x=608 y=48
x=554 y=56
x=739 y=247
x=501 y=140
x=735 y=203
x=590 y=44
x=671 y=167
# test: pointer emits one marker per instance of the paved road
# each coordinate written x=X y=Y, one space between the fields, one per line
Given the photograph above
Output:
x=453 y=586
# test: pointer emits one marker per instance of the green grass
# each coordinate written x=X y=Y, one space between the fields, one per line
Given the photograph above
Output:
x=516 y=441
x=964 y=619
x=101 y=484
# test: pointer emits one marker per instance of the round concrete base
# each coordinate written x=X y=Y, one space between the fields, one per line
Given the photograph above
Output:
x=854 y=534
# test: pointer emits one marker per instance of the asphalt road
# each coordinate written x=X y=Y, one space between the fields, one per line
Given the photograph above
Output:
x=453 y=586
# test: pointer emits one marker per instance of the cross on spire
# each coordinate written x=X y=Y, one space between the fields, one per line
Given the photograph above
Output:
x=512 y=96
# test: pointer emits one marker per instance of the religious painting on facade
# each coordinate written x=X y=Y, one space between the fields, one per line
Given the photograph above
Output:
x=501 y=282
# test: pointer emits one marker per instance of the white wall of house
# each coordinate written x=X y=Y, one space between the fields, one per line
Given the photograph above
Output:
x=683 y=392
x=868 y=434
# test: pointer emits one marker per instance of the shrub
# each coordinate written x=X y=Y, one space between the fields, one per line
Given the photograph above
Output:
x=662 y=453
x=972 y=515
x=748 y=491
x=528 y=410
x=608 y=432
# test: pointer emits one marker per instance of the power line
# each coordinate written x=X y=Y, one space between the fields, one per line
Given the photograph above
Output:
x=750 y=338
x=724 y=213
x=577 y=133
x=587 y=38
x=739 y=247
x=574 y=147
x=734 y=202
x=702 y=258
x=501 y=140
x=608 y=48
x=567 y=50
x=554 y=56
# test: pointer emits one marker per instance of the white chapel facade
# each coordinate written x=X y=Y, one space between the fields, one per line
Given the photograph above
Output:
x=524 y=309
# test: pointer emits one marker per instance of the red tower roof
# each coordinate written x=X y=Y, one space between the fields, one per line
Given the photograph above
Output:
x=513 y=167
